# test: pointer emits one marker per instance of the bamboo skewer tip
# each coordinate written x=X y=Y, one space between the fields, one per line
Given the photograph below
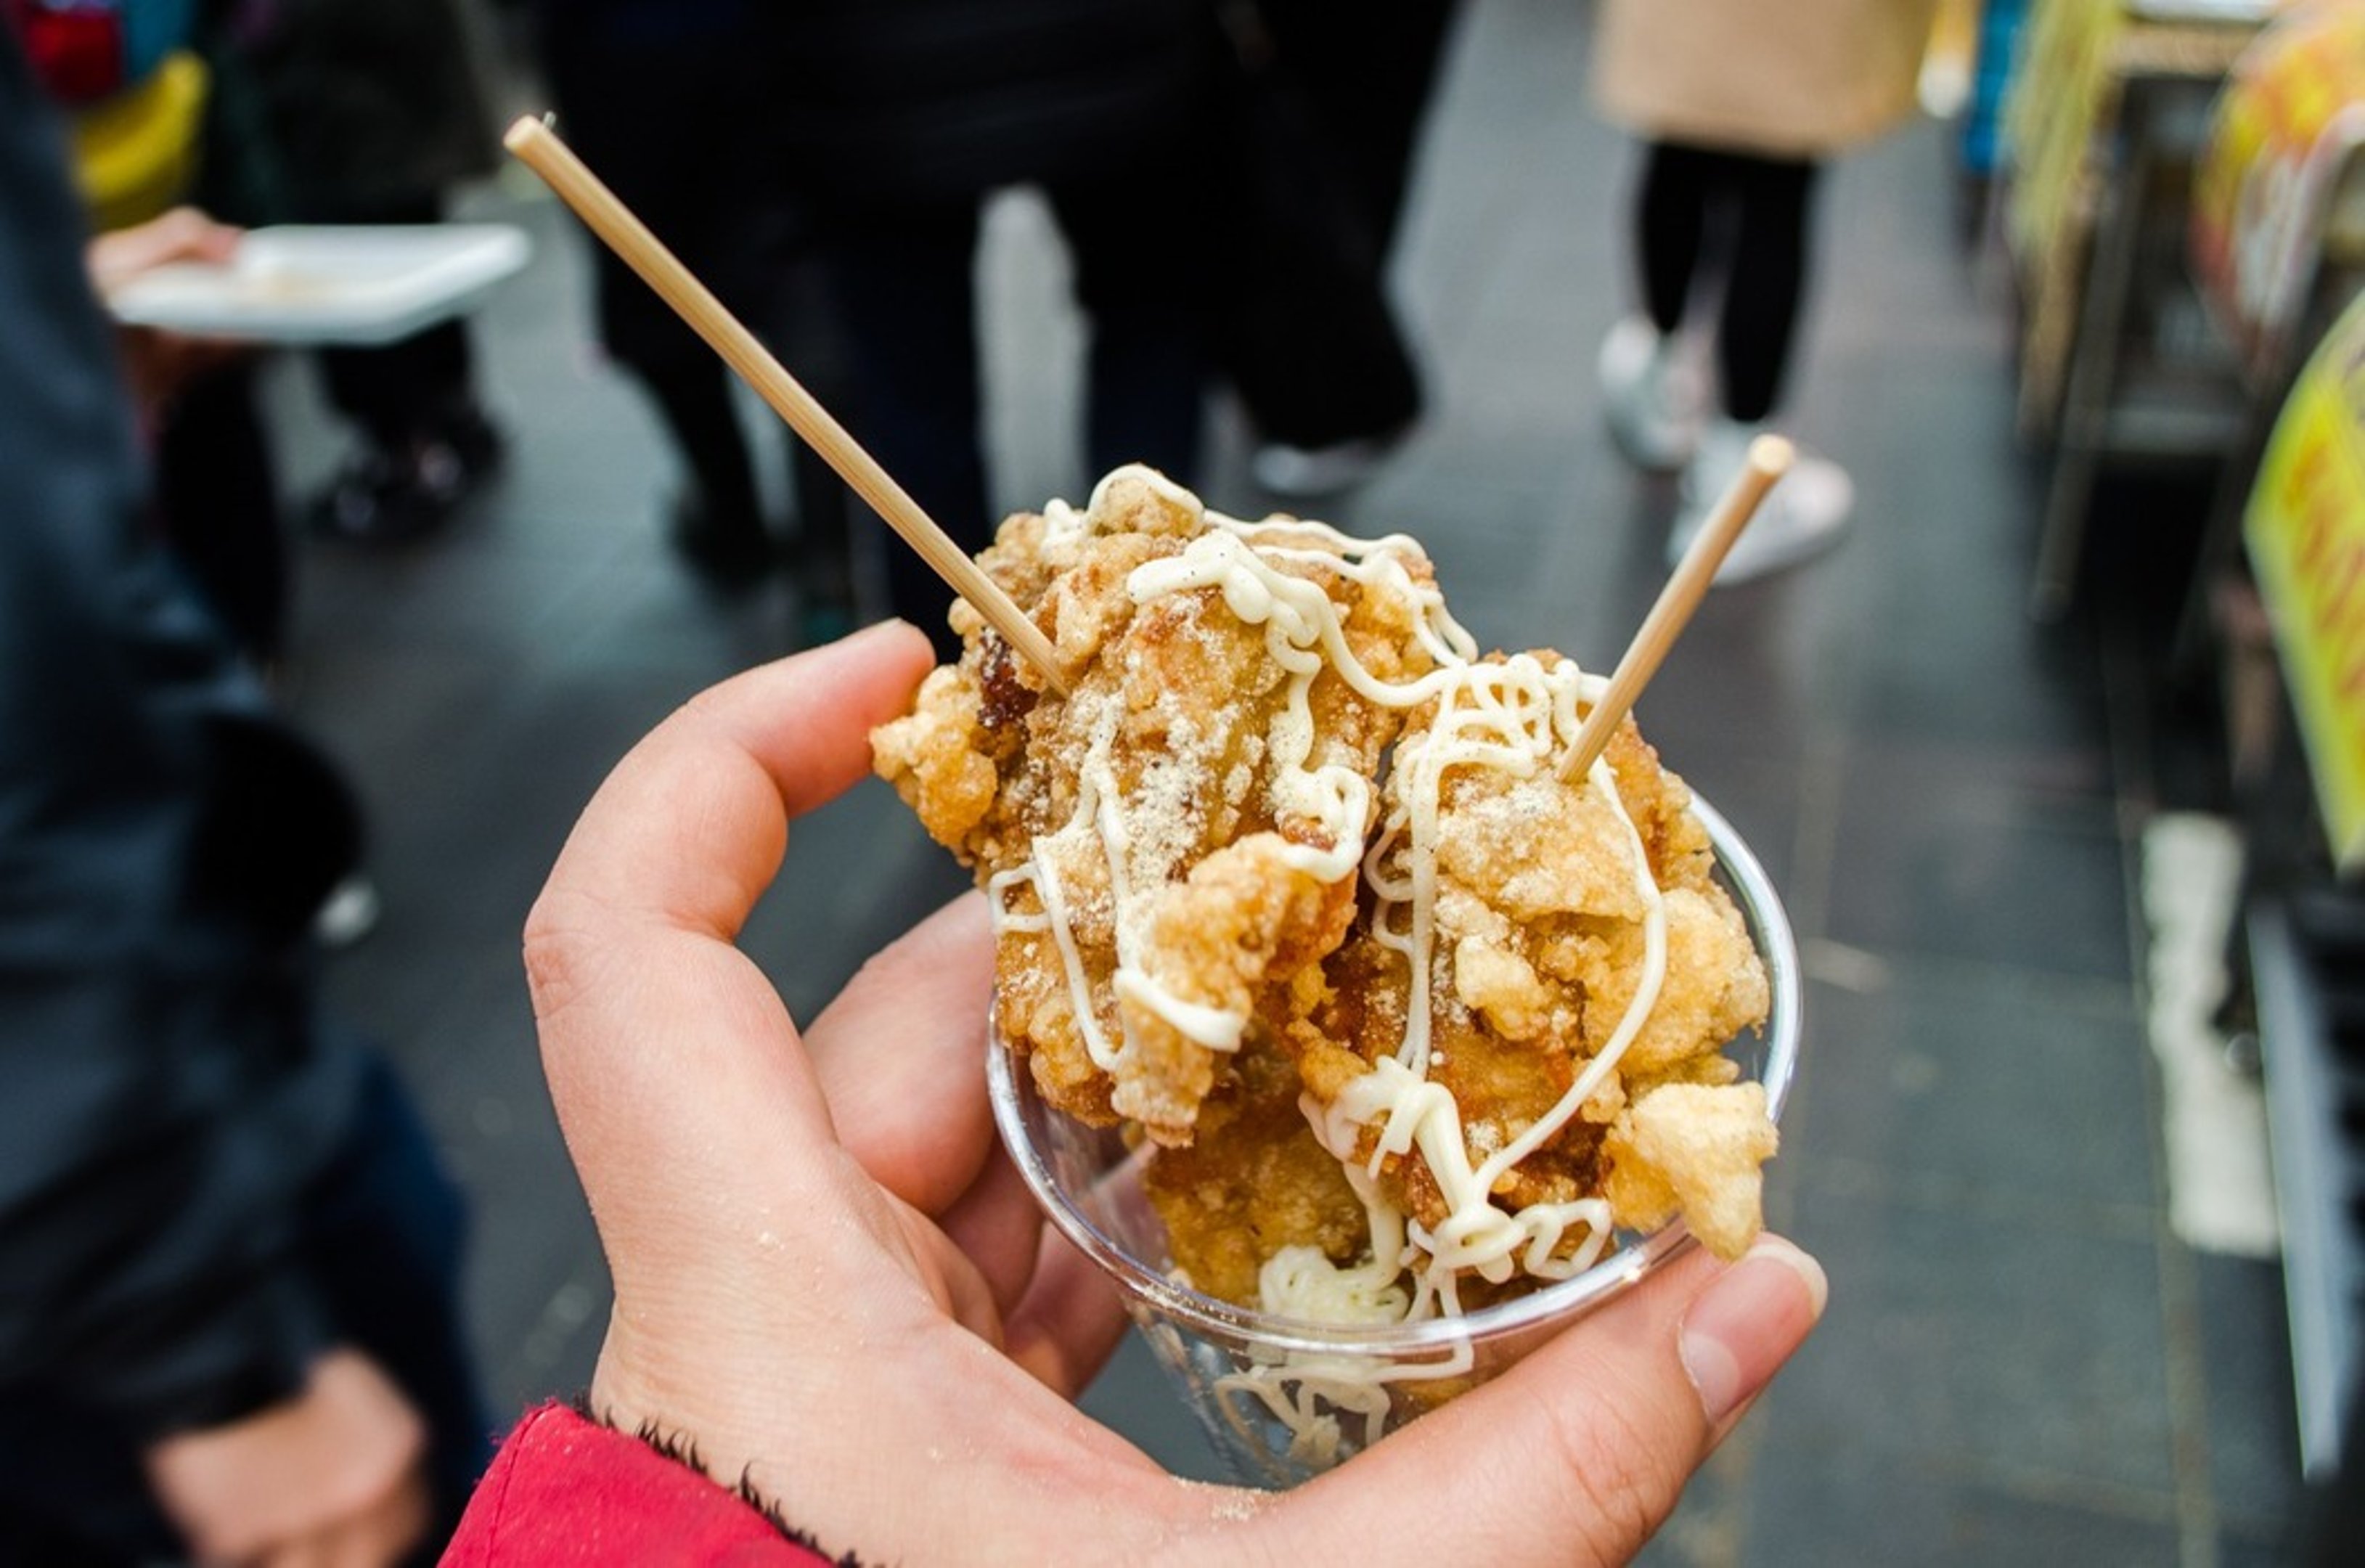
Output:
x=1768 y=458
x=1771 y=455
x=531 y=140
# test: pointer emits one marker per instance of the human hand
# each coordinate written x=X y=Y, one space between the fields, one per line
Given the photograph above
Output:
x=831 y=1283
x=184 y=234
x=334 y=1478
x=158 y=362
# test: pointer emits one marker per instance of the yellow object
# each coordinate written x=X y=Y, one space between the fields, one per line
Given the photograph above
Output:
x=136 y=153
x=1950 y=59
x=2282 y=150
x=2062 y=122
x=2305 y=528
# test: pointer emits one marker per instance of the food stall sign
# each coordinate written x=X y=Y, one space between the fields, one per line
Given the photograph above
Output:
x=2305 y=530
x=2291 y=115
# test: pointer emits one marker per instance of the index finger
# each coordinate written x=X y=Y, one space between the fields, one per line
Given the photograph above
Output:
x=660 y=1039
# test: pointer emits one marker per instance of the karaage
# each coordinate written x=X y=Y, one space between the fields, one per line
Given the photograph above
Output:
x=1289 y=881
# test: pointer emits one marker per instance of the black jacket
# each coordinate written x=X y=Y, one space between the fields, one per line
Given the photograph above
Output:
x=903 y=101
x=166 y=1094
x=332 y=110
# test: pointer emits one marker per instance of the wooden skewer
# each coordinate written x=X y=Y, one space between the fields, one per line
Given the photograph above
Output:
x=1769 y=459
x=534 y=144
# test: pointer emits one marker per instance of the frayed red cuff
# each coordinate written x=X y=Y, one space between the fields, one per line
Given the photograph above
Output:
x=565 y=1489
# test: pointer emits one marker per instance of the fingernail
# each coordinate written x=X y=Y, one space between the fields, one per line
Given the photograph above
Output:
x=1742 y=1328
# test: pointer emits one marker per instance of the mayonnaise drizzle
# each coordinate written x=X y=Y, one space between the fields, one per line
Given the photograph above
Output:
x=1513 y=716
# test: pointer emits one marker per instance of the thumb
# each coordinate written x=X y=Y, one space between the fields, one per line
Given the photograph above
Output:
x=1578 y=1453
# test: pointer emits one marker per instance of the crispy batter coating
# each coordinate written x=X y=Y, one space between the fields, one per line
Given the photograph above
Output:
x=1153 y=777
x=1693 y=1149
x=1538 y=952
x=1253 y=1182
x=1543 y=922
x=1185 y=944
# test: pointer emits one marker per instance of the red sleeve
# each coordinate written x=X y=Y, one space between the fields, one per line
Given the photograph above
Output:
x=566 y=1490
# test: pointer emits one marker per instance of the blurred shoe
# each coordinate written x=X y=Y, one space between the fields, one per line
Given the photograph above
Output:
x=392 y=494
x=474 y=443
x=1806 y=512
x=349 y=914
x=376 y=499
x=730 y=551
x=1309 y=473
x=1654 y=393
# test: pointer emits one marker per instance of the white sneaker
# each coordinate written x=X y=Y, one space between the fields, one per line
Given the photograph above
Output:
x=1655 y=394
x=349 y=914
x=1311 y=472
x=1806 y=512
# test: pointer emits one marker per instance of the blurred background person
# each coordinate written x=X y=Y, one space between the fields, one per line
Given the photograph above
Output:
x=1739 y=104
x=135 y=89
x=669 y=100
x=361 y=112
x=906 y=114
x=1314 y=135
x=228 y=1255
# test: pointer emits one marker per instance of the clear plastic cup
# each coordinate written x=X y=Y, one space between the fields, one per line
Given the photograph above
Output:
x=1283 y=1399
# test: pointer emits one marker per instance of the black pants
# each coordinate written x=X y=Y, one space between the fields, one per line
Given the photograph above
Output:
x=904 y=280
x=673 y=118
x=384 y=1229
x=397 y=392
x=1310 y=150
x=217 y=494
x=1368 y=73
x=1749 y=216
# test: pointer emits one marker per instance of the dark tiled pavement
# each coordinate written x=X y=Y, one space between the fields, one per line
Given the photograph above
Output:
x=2020 y=1364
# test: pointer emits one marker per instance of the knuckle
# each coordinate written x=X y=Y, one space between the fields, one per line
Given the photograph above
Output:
x=562 y=952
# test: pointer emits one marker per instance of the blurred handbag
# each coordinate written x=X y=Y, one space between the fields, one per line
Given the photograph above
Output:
x=134 y=97
x=136 y=154
x=1303 y=329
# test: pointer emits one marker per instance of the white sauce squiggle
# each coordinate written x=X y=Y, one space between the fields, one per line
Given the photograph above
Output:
x=1514 y=716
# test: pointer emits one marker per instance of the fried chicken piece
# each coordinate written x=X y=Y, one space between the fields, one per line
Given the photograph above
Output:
x=1693 y=1149
x=1157 y=859
x=1251 y=1182
x=1536 y=955
x=1192 y=939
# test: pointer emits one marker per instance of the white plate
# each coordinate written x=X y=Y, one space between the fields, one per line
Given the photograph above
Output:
x=331 y=283
x=2203 y=10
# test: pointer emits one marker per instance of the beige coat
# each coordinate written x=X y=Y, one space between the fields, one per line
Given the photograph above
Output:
x=1792 y=78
